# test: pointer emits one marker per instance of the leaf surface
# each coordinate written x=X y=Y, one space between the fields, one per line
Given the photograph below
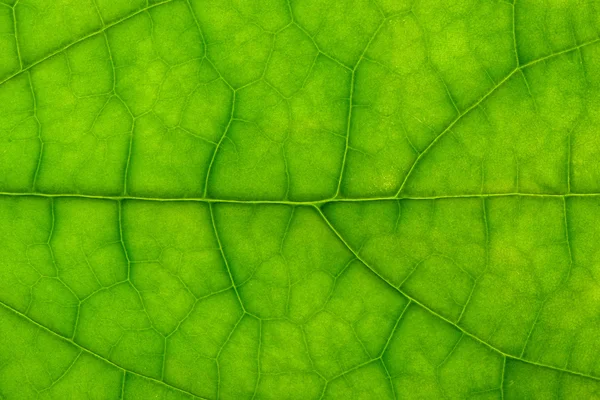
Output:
x=359 y=199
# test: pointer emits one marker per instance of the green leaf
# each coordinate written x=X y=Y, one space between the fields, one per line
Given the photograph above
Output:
x=354 y=199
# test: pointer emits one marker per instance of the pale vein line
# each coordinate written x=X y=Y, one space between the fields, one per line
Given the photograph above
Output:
x=214 y=225
x=95 y=2
x=570 y=153
x=258 y=367
x=204 y=45
x=14 y=15
x=567 y=237
x=218 y=146
x=351 y=105
x=90 y=352
x=478 y=102
x=39 y=133
x=123 y=384
x=128 y=161
x=387 y=343
x=563 y=282
x=514 y=31
x=65 y=372
x=487 y=262
x=209 y=200
x=434 y=313
x=122 y=239
x=502 y=378
x=226 y=130
x=381 y=353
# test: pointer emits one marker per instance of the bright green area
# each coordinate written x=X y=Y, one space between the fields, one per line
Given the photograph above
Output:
x=302 y=199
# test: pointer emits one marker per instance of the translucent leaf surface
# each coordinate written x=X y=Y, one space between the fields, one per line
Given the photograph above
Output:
x=302 y=199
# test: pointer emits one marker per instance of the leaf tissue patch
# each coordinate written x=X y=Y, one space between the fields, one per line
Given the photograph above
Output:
x=301 y=199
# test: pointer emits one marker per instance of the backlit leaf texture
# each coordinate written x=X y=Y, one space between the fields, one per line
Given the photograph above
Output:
x=301 y=199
